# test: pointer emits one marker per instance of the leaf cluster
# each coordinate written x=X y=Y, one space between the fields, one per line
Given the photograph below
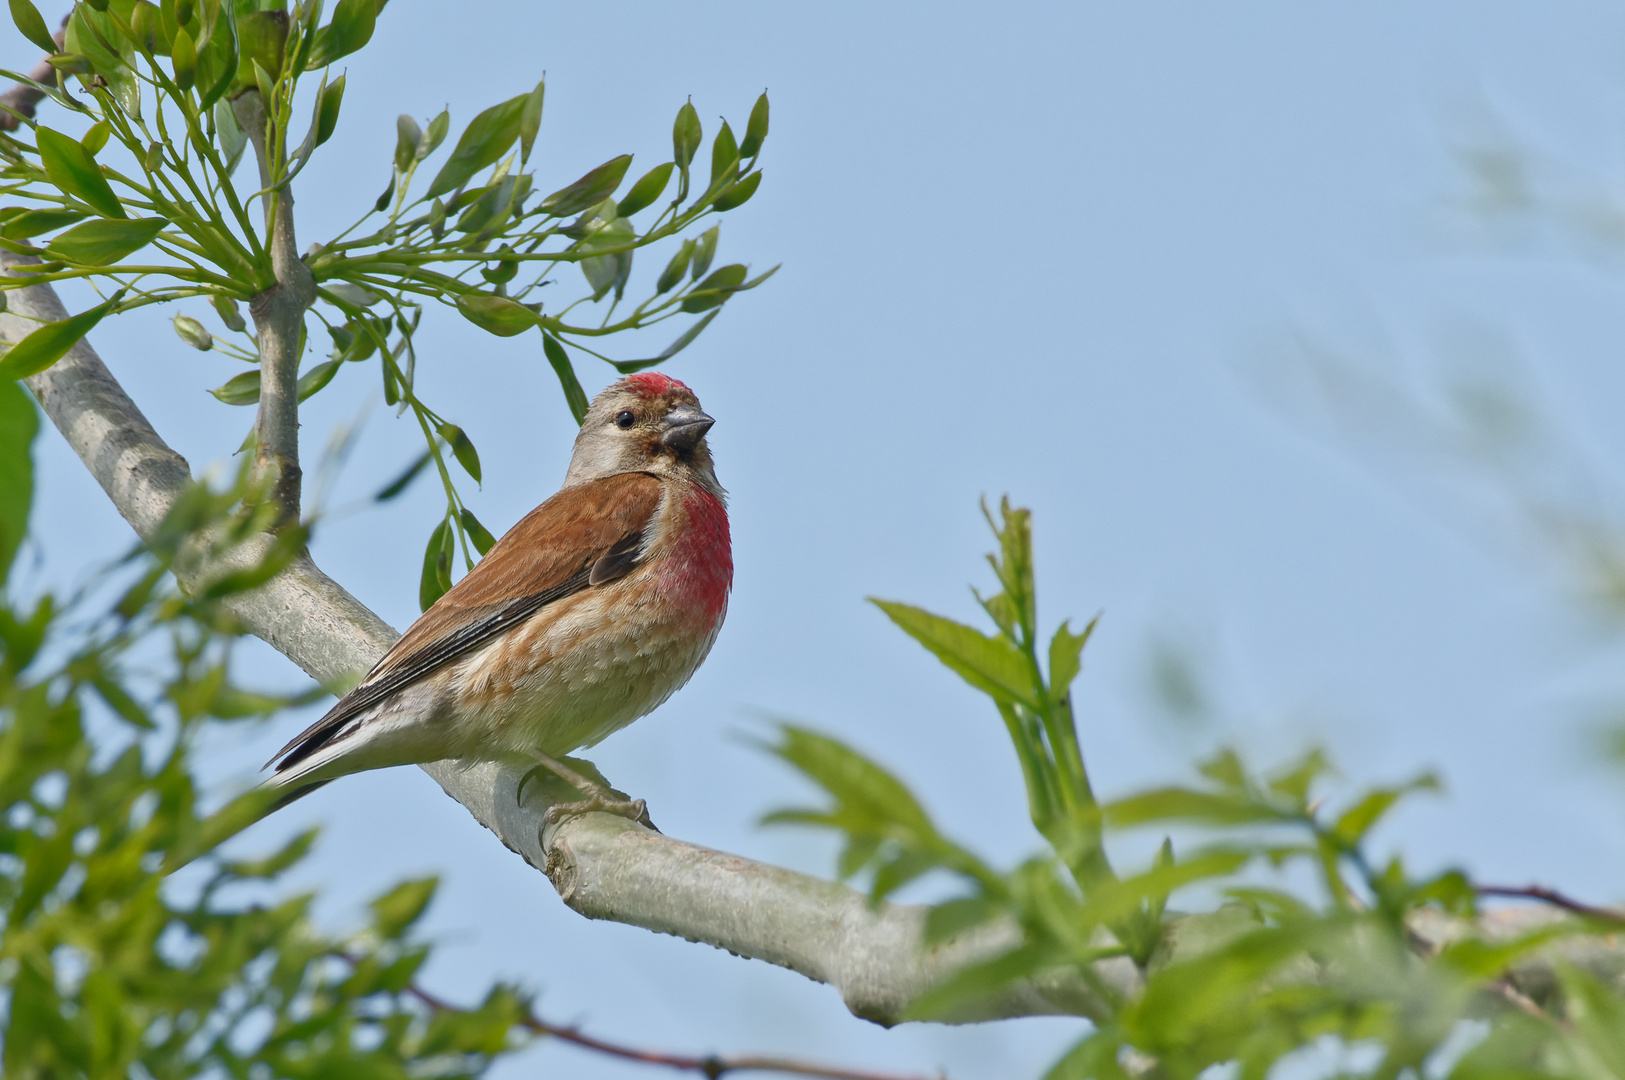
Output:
x=1267 y=967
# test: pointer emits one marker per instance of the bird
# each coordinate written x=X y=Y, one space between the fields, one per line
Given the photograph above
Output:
x=589 y=613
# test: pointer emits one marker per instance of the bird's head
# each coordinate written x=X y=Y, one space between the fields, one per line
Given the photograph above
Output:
x=646 y=422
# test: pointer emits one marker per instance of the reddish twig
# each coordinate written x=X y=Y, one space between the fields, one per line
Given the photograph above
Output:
x=1552 y=897
x=711 y=1065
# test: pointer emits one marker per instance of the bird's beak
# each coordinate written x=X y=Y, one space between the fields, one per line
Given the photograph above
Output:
x=686 y=425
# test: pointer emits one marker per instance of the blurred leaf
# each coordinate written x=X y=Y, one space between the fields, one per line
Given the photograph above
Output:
x=485 y=140
x=398 y=909
x=1066 y=657
x=867 y=795
x=103 y=242
x=71 y=168
x=990 y=664
x=1183 y=804
x=1352 y=826
x=45 y=346
x=19 y=424
x=977 y=982
x=574 y=396
x=400 y=483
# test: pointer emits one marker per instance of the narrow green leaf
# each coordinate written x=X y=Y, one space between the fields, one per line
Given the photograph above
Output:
x=590 y=190
x=20 y=224
x=462 y=448
x=627 y=367
x=530 y=120
x=19 y=423
x=434 y=134
x=496 y=314
x=705 y=250
x=33 y=27
x=327 y=116
x=51 y=342
x=990 y=664
x=1183 y=804
x=243 y=389
x=755 y=129
x=395 y=911
x=102 y=242
x=574 y=396
x=401 y=482
x=71 y=168
x=648 y=188
x=673 y=273
x=1066 y=657
x=483 y=540
x=485 y=140
x=739 y=193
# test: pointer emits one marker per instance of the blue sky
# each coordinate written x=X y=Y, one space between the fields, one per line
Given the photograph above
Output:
x=1061 y=251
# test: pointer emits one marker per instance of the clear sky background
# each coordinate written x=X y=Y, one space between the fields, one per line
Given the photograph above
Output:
x=1060 y=251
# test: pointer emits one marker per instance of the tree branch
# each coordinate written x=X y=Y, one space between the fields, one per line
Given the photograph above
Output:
x=279 y=322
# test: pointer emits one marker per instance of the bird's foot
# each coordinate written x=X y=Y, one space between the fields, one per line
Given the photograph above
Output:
x=600 y=797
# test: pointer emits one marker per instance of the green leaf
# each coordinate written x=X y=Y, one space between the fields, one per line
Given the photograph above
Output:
x=978 y=982
x=407 y=138
x=19 y=423
x=51 y=342
x=1066 y=657
x=648 y=188
x=496 y=314
x=574 y=396
x=395 y=911
x=715 y=289
x=954 y=917
x=436 y=577
x=434 y=134
x=183 y=58
x=705 y=248
x=483 y=540
x=462 y=448
x=241 y=389
x=20 y=224
x=74 y=172
x=1183 y=804
x=482 y=143
x=401 y=482
x=686 y=136
x=530 y=120
x=627 y=367
x=111 y=54
x=991 y=664
x=673 y=273
x=102 y=242
x=351 y=28
x=739 y=194
x=724 y=154
x=317 y=377
x=327 y=116
x=869 y=796
x=1359 y=819
x=33 y=27
x=755 y=129
x=590 y=190
x=226 y=308
x=193 y=333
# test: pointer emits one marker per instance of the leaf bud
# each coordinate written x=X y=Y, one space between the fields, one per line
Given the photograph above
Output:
x=193 y=333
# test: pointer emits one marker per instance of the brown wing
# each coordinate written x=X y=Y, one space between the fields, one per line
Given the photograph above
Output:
x=582 y=537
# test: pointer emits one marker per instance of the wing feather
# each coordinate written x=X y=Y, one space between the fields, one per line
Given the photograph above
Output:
x=584 y=536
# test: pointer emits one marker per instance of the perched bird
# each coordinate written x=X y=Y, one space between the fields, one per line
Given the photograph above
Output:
x=586 y=615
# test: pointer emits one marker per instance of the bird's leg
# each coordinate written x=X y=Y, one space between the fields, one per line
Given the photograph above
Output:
x=598 y=796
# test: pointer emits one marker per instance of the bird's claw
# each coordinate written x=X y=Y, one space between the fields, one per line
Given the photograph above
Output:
x=632 y=809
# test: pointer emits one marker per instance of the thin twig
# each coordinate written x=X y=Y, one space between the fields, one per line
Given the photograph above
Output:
x=710 y=1066
x=1554 y=898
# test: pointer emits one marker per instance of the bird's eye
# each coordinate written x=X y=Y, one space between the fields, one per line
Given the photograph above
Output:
x=624 y=419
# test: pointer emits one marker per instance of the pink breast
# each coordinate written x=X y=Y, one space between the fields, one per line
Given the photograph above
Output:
x=700 y=570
